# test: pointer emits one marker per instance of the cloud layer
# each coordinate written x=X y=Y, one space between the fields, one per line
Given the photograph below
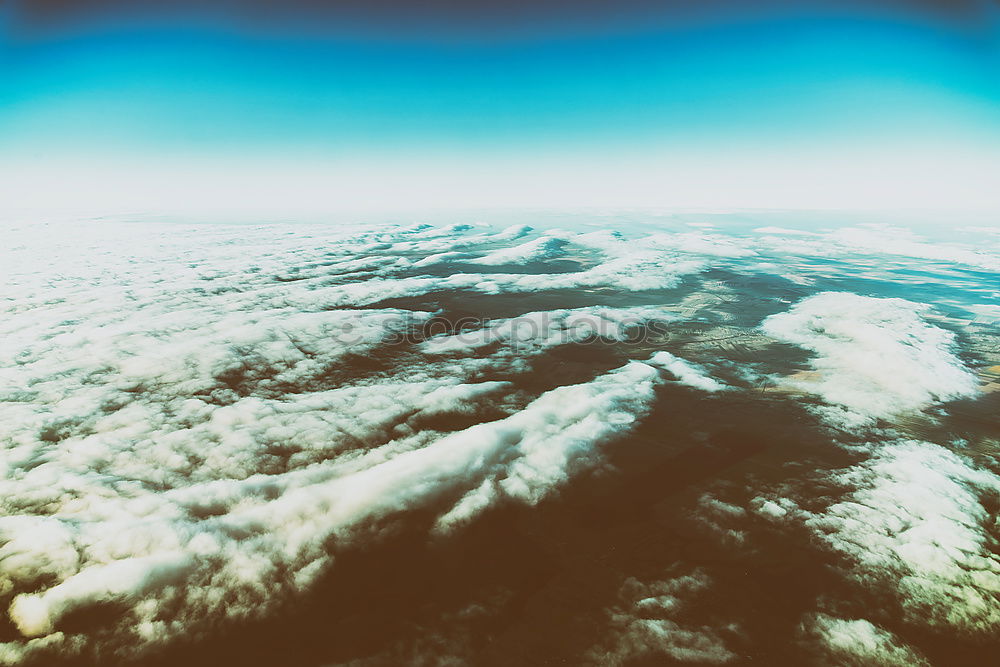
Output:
x=199 y=420
x=196 y=437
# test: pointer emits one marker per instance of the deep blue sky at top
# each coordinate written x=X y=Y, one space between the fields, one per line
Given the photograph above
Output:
x=86 y=72
x=226 y=77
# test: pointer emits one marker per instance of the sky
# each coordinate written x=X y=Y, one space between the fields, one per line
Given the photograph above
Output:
x=299 y=109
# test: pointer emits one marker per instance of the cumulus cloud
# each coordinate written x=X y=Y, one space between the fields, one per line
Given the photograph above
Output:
x=858 y=643
x=512 y=232
x=687 y=373
x=874 y=358
x=636 y=265
x=536 y=331
x=540 y=445
x=647 y=625
x=544 y=247
x=441 y=258
x=917 y=521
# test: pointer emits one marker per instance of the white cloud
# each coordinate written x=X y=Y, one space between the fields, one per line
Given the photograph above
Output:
x=716 y=245
x=440 y=258
x=646 y=625
x=541 y=248
x=636 y=265
x=512 y=232
x=885 y=241
x=858 y=643
x=918 y=522
x=537 y=331
x=783 y=231
x=534 y=450
x=687 y=373
x=874 y=358
x=544 y=247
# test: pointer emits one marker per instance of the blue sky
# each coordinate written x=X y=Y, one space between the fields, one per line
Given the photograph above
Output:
x=132 y=92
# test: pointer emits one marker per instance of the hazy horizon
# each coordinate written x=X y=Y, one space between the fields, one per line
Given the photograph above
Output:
x=317 y=108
